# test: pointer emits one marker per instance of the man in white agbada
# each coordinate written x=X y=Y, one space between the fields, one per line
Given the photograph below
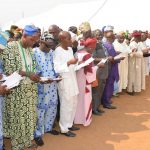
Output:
x=64 y=64
x=121 y=47
x=145 y=49
x=148 y=45
x=136 y=78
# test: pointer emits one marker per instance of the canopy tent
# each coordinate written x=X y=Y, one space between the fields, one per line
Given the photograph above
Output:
x=121 y=14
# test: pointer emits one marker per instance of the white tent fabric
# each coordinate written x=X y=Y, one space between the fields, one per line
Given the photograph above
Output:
x=121 y=14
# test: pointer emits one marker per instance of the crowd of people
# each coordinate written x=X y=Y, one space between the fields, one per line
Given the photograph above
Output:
x=67 y=77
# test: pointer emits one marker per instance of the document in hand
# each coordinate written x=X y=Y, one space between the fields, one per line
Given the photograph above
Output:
x=86 y=63
x=48 y=78
x=44 y=78
x=103 y=61
x=120 y=56
x=13 y=80
x=57 y=79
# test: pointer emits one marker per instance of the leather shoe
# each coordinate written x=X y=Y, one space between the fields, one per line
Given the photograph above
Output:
x=110 y=107
x=96 y=112
x=53 y=132
x=39 y=141
x=73 y=128
x=69 y=134
x=100 y=110
x=131 y=93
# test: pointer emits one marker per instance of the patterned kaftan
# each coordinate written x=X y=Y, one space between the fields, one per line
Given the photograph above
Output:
x=47 y=93
x=19 y=116
x=1 y=107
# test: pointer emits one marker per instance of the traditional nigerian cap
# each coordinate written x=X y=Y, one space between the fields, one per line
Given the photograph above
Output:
x=30 y=30
x=108 y=28
x=3 y=39
x=136 y=33
x=121 y=33
x=84 y=27
x=89 y=42
x=46 y=36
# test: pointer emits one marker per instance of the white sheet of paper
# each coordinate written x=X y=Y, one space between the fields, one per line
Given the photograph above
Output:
x=78 y=67
x=57 y=79
x=13 y=80
x=48 y=78
x=87 y=62
x=44 y=78
x=120 y=55
x=103 y=61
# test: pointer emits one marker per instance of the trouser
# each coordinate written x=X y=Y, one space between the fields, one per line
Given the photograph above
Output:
x=1 y=126
x=97 y=94
x=68 y=107
x=108 y=91
x=45 y=121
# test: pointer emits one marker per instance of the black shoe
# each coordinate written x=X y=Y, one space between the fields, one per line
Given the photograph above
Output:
x=100 y=110
x=53 y=132
x=3 y=147
x=73 y=128
x=110 y=107
x=69 y=134
x=39 y=141
x=96 y=112
x=131 y=93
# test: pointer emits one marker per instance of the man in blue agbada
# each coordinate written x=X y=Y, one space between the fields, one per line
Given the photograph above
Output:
x=47 y=91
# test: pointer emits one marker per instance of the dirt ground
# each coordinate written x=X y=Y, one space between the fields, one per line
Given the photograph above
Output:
x=125 y=128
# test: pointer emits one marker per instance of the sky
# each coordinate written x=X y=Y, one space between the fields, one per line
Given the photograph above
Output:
x=130 y=13
x=13 y=10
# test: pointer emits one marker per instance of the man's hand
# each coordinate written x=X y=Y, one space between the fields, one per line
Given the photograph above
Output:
x=1 y=76
x=34 y=77
x=134 y=50
x=121 y=58
x=101 y=65
x=4 y=90
x=80 y=62
x=110 y=59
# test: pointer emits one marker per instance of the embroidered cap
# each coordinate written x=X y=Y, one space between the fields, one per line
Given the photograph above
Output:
x=30 y=30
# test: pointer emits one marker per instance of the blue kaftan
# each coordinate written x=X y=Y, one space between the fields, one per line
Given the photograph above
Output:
x=47 y=93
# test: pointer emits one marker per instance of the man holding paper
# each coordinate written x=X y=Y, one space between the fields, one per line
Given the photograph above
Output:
x=47 y=89
x=113 y=72
x=3 y=89
x=64 y=64
x=123 y=49
x=101 y=56
x=19 y=117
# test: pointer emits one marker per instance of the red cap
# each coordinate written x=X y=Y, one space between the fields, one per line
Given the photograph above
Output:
x=136 y=34
x=90 y=42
